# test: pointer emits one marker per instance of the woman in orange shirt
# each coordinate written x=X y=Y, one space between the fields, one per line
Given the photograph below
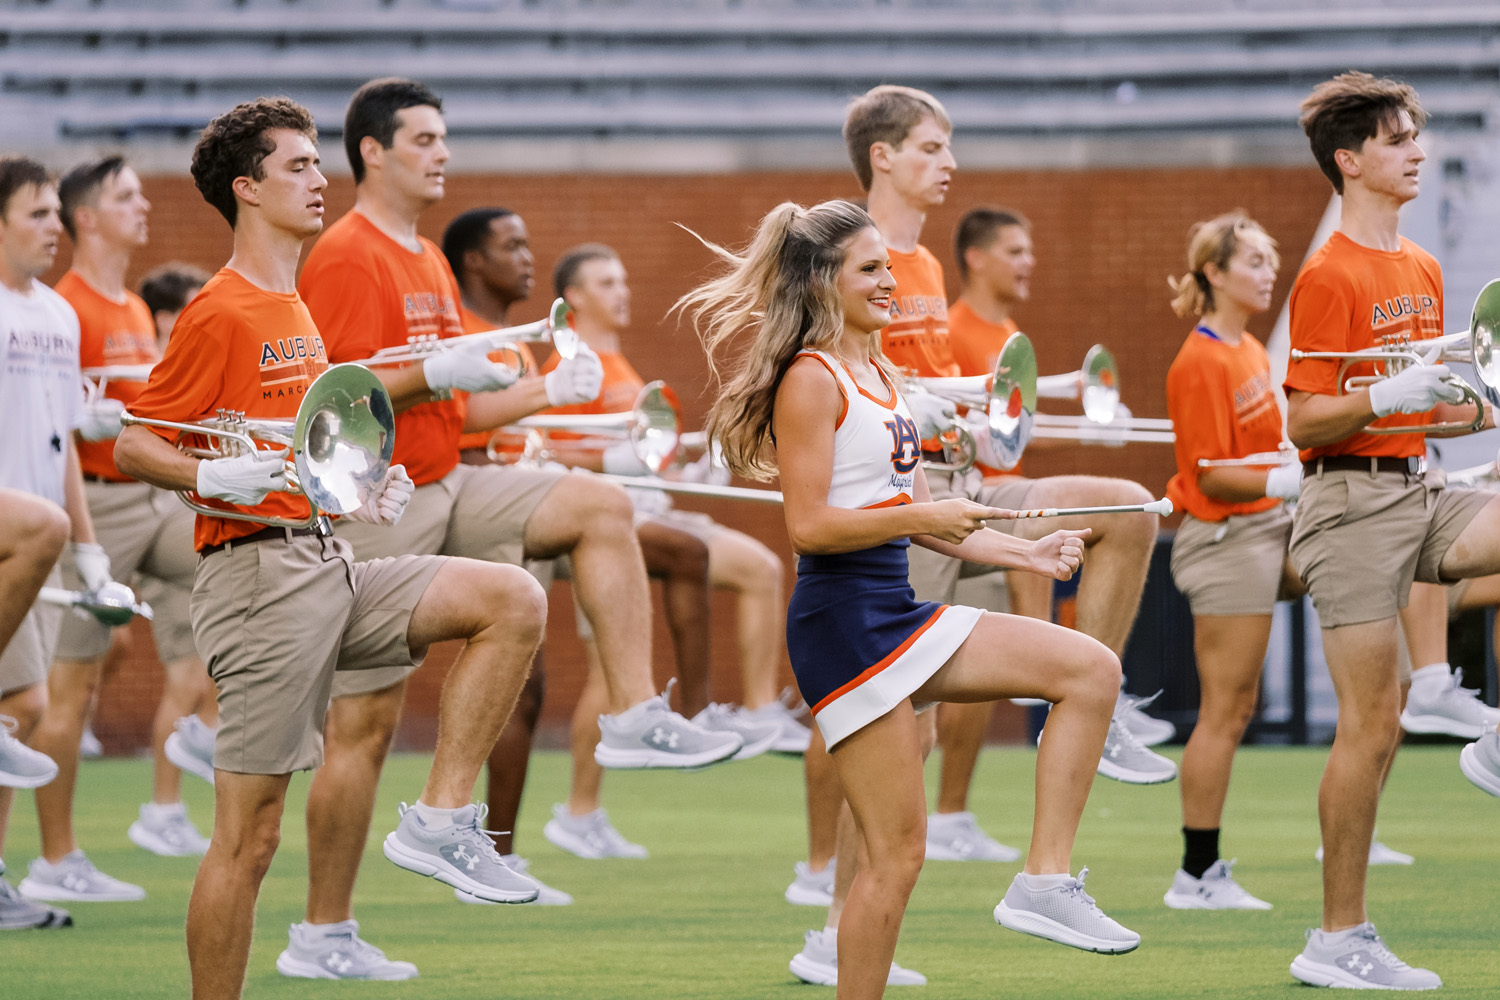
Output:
x=1229 y=553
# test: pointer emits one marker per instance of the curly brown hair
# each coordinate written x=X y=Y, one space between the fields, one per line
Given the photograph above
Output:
x=236 y=144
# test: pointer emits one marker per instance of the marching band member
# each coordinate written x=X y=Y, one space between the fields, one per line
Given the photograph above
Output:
x=813 y=399
x=1229 y=556
x=278 y=611
x=371 y=282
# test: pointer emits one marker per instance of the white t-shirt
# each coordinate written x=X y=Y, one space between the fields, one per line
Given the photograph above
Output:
x=41 y=389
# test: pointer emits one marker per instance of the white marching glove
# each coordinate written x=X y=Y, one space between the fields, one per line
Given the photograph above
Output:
x=984 y=445
x=92 y=563
x=467 y=367
x=933 y=414
x=243 y=479
x=386 y=504
x=101 y=420
x=620 y=459
x=1415 y=389
x=575 y=380
x=1284 y=482
x=706 y=470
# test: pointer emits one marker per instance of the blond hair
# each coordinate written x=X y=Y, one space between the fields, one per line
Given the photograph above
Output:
x=782 y=291
x=1344 y=112
x=887 y=114
x=1215 y=242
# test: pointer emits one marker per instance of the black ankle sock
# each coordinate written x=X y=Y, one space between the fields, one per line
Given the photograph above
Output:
x=1200 y=850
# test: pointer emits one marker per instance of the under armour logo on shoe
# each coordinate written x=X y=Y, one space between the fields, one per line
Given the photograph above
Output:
x=462 y=854
x=1355 y=965
x=661 y=738
x=1113 y=749
x=339 y=962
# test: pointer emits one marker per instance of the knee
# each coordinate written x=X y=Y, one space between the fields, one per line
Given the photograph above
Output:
x=362 y=728
x=766 y=572
x=517 y=604
x=26 y=707
x=686 y=556
x=604 y=506
x=45 y=530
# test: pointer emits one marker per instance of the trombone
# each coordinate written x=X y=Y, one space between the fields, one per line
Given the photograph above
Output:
x=1476 y=346
x=341 y=442
x=553 y=330
x=653 y=426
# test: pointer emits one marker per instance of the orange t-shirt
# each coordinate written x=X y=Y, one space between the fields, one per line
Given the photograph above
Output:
x=473 y=323
x=976 y=344
x=1349 y=297
x=1221 y=404
x=366 y=291
x=236 y=347
x=112 y=333
x=917 y=338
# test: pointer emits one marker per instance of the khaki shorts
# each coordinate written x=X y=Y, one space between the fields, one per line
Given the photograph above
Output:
x=1232 y=567
x=934 y=577
x=27 y=658
x=478 y=511
x=276 y=619
x=1360 y=538
x=147 y=533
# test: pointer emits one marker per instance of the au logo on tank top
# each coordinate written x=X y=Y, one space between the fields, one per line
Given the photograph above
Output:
x=906 y=446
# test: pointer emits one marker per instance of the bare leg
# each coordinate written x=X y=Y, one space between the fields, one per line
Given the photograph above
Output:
x=1229 y=651
x=825 y=797
x=25 y=705
x=583 y=793
x=680 y=561
x=510 y=758
x=757 y=577
x=187 y=690
x=221 y=911
x=593 y=522
x=1362 y=662
x=36 y=531
x=70 y=691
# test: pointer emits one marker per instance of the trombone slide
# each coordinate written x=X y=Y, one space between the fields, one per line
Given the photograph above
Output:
x=694 y=489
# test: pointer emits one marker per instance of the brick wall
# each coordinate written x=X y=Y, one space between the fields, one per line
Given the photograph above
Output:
x=1106 y=241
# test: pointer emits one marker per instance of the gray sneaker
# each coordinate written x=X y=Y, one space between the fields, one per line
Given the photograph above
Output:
x=167 y=831
x=21 y=766
x=957 y=837
x=1147 y=728
x=461 y=855
x=336 y=951
x=818 y=963
x=1127 y=759
x=1448 y=708
x=811 y=888
x=1357 y=959
x=19 y=913
x=74 y=879
x=795 y=737
x=191 y=747
x=1480 y=762
x=652 y=735
x=546 y=895
x=591 y=836
x=1065 y=914
x=1216 y=890
x=758 y=737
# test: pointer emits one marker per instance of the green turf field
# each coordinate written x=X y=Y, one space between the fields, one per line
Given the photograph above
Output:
x=704 y=917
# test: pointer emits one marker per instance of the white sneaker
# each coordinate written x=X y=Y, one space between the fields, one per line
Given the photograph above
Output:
x=1063 y=913
x=191 y=747
x=1357 y=959
x=21 y=766
x=589 y=836
x=758 y=737
x=167 y=831
x=1379 y=855
x=336 y=951
x=650 y=734
x=811 y=888
x=460 y=854
x=818 y=963
x=1480 y=762
x=1126 y=759
x=1148 y=729
x=957 y=837
x=546 y=895
x=1216 y=890
x=19 y=913
x=1441 y=705
x=74 y=879
x=794 y=737
x=89 y=745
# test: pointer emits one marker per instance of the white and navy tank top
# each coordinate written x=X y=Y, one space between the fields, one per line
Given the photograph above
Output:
x=876 y=449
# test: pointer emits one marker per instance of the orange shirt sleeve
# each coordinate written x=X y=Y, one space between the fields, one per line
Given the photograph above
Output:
x=188 y=382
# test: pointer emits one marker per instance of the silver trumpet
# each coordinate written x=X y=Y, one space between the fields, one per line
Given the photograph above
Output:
x=1007 y=396
x=340 y=440
x=553 y=330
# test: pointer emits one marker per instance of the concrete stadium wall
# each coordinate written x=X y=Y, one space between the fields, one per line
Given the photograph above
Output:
x=1106 y=242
